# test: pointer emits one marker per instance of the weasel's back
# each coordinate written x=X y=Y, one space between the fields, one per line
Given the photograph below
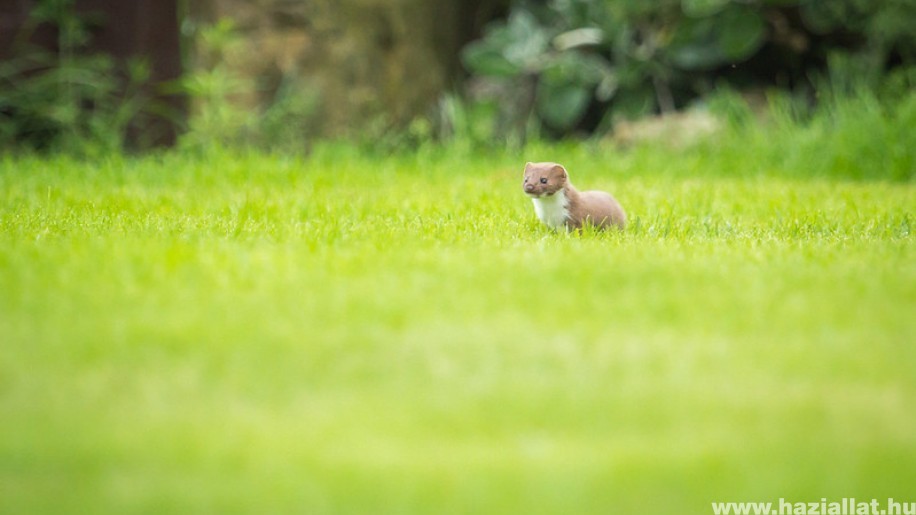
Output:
x=598 y=207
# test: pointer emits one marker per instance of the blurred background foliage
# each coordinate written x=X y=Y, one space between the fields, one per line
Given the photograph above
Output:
x=581 y=65
x=68 y=99
x=281 y=74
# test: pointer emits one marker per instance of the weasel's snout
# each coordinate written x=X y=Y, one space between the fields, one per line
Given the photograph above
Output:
x=529 y=188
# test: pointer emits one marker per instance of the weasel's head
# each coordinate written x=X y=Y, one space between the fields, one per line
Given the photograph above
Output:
x=544 y=179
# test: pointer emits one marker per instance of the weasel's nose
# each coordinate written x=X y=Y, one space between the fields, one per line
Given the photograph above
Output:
x=529 y=187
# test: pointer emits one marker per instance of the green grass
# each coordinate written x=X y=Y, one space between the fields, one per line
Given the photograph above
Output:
x=348 y=333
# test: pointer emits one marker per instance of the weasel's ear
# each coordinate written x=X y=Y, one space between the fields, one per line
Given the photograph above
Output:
x=528 y=165
x=560 y=169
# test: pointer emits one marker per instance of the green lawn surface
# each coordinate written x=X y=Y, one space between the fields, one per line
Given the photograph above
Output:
x=348 y=332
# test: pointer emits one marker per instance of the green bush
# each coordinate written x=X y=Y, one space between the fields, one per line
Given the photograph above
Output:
x=70 y=100
x=218 y=116
x=76 y=101
x=581 y=64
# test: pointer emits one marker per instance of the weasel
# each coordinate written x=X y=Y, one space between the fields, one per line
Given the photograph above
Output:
x=558 y=203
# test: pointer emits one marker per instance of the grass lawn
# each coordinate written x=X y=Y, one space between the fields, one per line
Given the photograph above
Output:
x=343 y=333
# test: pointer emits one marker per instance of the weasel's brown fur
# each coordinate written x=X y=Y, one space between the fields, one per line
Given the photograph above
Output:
x=558 y=202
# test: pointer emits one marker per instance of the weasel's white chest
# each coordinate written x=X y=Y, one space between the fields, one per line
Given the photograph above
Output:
x=553 y=210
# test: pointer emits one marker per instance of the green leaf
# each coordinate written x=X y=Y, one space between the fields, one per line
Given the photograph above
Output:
x=524 y=40
x=577 y=68
x=821 y=17
x=705 y=43
x=607 y=87
x=692 y=47
x=633 y=103
x=562 y=105
x=697 y=56
x=743 y=31
x=702 y=8
x=481 y=59
x=517 y=46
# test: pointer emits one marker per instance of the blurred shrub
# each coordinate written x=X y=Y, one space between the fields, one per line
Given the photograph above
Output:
x=72 y=100
x=853 y=136
x=68 y=100
x=218 y=117
x=580 y=64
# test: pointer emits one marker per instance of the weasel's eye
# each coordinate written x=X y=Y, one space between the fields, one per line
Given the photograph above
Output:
x=543 y=180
